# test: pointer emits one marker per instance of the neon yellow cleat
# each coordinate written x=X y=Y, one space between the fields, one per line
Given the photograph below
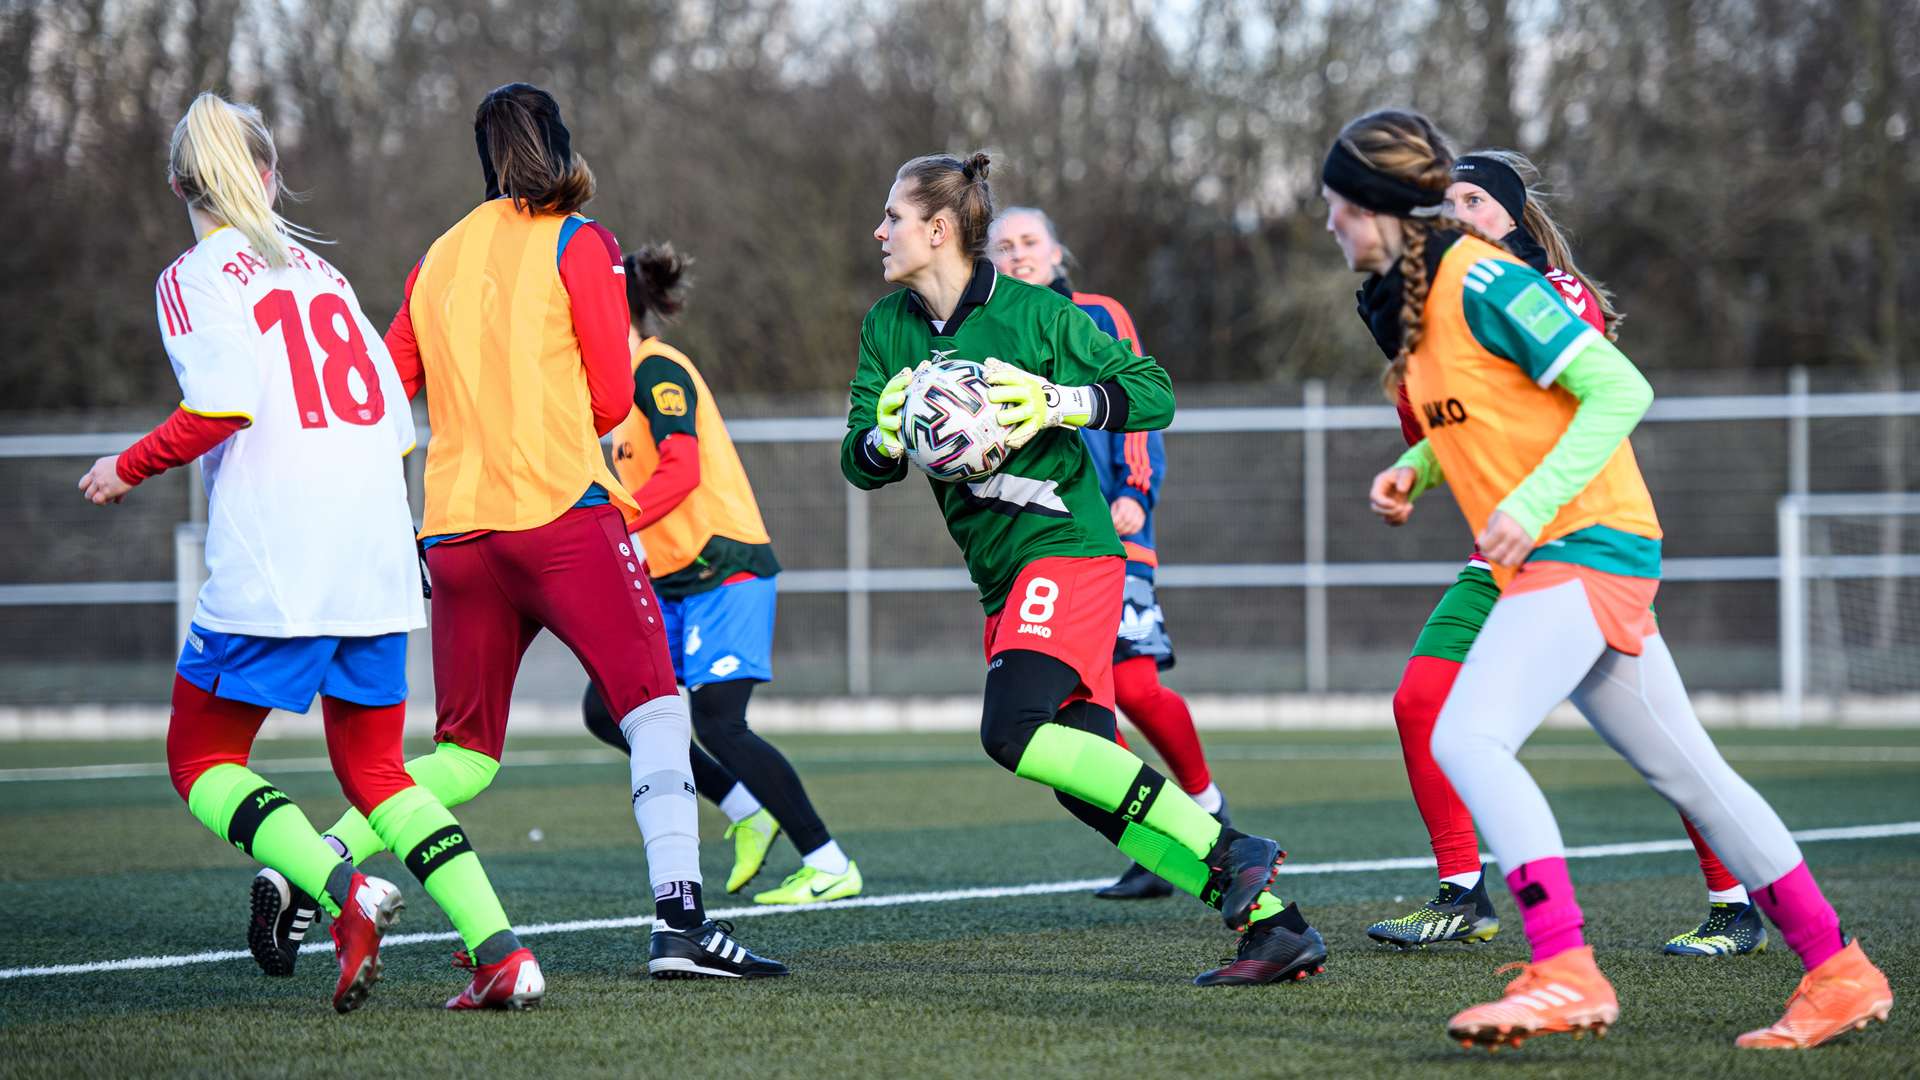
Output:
x=752 y=838
x=809 y=886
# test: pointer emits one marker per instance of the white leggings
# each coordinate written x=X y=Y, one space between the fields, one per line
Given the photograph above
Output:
x=1541 y=648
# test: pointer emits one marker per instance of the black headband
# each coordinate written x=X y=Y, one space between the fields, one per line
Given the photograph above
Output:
x=546 y=114
x=1369 y=188
x=1497 y=178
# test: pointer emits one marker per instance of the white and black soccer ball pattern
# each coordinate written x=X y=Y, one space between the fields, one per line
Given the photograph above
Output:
x=951 y=431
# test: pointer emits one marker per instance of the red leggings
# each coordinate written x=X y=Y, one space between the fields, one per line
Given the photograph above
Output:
x=1416 y=707
x=363 y=742
x=1163 y=717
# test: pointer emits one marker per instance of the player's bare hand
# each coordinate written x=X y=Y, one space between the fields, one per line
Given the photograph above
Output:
x=1391 y=495
x=1129 y=516
x=1504 y=541
x=102 y=484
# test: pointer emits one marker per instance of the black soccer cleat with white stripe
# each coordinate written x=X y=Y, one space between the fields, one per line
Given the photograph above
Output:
x=281 y=915
x=705 y=951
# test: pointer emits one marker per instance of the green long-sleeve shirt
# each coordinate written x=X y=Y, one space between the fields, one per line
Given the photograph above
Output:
x=1045 y=500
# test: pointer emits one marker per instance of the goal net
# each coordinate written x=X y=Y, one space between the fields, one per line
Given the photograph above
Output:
x=1850 y=607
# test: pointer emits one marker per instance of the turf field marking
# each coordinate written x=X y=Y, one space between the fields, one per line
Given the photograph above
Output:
x=1818 y=755
x=943 y=896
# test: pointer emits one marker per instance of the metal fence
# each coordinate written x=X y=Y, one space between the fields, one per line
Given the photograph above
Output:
x=1275 y=576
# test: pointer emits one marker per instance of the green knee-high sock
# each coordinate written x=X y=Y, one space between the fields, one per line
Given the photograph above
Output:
x=1108 y=775
x=452 y=773
x=1182 y=870
x=431 y=843
x=243 y=809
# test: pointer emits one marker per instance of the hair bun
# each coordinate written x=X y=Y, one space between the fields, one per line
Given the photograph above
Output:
x=976 y=167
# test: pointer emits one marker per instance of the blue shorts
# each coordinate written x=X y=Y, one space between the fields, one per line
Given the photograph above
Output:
x=285 y=673
x=722 y=634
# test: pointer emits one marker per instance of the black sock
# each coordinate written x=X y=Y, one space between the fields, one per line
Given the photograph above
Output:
x=1217 y=858
x=677 y=903
x=1291 y=919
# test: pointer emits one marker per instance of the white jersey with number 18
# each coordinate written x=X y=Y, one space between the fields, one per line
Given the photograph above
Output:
x=308 y=529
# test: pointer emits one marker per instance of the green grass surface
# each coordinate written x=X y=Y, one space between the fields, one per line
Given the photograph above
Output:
x=98 y=870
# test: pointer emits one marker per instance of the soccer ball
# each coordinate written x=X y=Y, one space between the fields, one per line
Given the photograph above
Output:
x=951 y=431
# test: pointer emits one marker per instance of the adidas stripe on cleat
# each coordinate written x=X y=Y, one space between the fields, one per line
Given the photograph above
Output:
x=705 y=951
x=279 y=917
x=1564 y=993
x=1729 y=930
x=1454 y=914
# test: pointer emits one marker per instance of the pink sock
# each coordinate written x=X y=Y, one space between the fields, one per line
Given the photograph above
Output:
x=1806 y=920
x=1548 y=909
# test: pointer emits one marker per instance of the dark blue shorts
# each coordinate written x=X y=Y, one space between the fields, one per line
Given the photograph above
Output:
x=285 y=673
x=722 y=634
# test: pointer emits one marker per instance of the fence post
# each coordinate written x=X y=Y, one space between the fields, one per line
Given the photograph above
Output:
x=189 y=571
x=1793 y=610
x=1314 y=519
x=1799 y=439
x=859 y=607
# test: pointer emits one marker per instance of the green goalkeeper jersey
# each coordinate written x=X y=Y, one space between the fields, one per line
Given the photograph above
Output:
x=1045 y=500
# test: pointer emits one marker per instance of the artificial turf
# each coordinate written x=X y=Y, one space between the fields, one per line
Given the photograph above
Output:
x=1052 y=984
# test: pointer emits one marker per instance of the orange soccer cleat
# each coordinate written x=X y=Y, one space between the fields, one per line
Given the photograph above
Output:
x=1563 y=993
x=1842 y=994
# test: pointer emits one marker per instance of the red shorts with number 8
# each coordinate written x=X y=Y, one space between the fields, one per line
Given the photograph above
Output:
x=1069 y=609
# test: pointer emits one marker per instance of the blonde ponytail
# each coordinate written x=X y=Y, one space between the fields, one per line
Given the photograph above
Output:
x=218 y=152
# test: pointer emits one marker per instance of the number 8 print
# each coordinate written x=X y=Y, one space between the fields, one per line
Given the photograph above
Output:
x=1038 y=606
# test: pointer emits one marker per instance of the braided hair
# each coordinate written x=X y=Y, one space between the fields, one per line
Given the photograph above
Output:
x=1407 y=146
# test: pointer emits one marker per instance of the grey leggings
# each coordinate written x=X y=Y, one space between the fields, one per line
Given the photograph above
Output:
x=1541 y=648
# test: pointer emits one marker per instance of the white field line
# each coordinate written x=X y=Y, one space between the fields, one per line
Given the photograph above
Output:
x=944 y=896
x=1757 y=754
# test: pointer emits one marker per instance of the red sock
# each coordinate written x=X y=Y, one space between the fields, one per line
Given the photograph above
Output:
x=363 y=741
x=1548 y=909
x=1719 y=878
x=1416 y=707
x=205 y=731
x=1162 y=716
x=1806 y=920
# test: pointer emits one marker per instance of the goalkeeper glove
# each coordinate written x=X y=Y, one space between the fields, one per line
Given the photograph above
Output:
x=885 y=436
x=1030 y=403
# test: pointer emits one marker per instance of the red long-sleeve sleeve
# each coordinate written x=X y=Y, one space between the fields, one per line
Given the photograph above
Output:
x=596 y=284
x=401 y=344
x=672 y=480
x=179 y=439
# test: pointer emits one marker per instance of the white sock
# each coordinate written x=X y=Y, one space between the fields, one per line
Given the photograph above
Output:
x=1465 y=881
x=739 y=803
x=1211 y=799
x=827 y=858
x=664 y=803
x=1735 y=895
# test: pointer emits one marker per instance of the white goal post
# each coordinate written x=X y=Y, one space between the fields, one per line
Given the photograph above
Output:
x=1849 y=606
